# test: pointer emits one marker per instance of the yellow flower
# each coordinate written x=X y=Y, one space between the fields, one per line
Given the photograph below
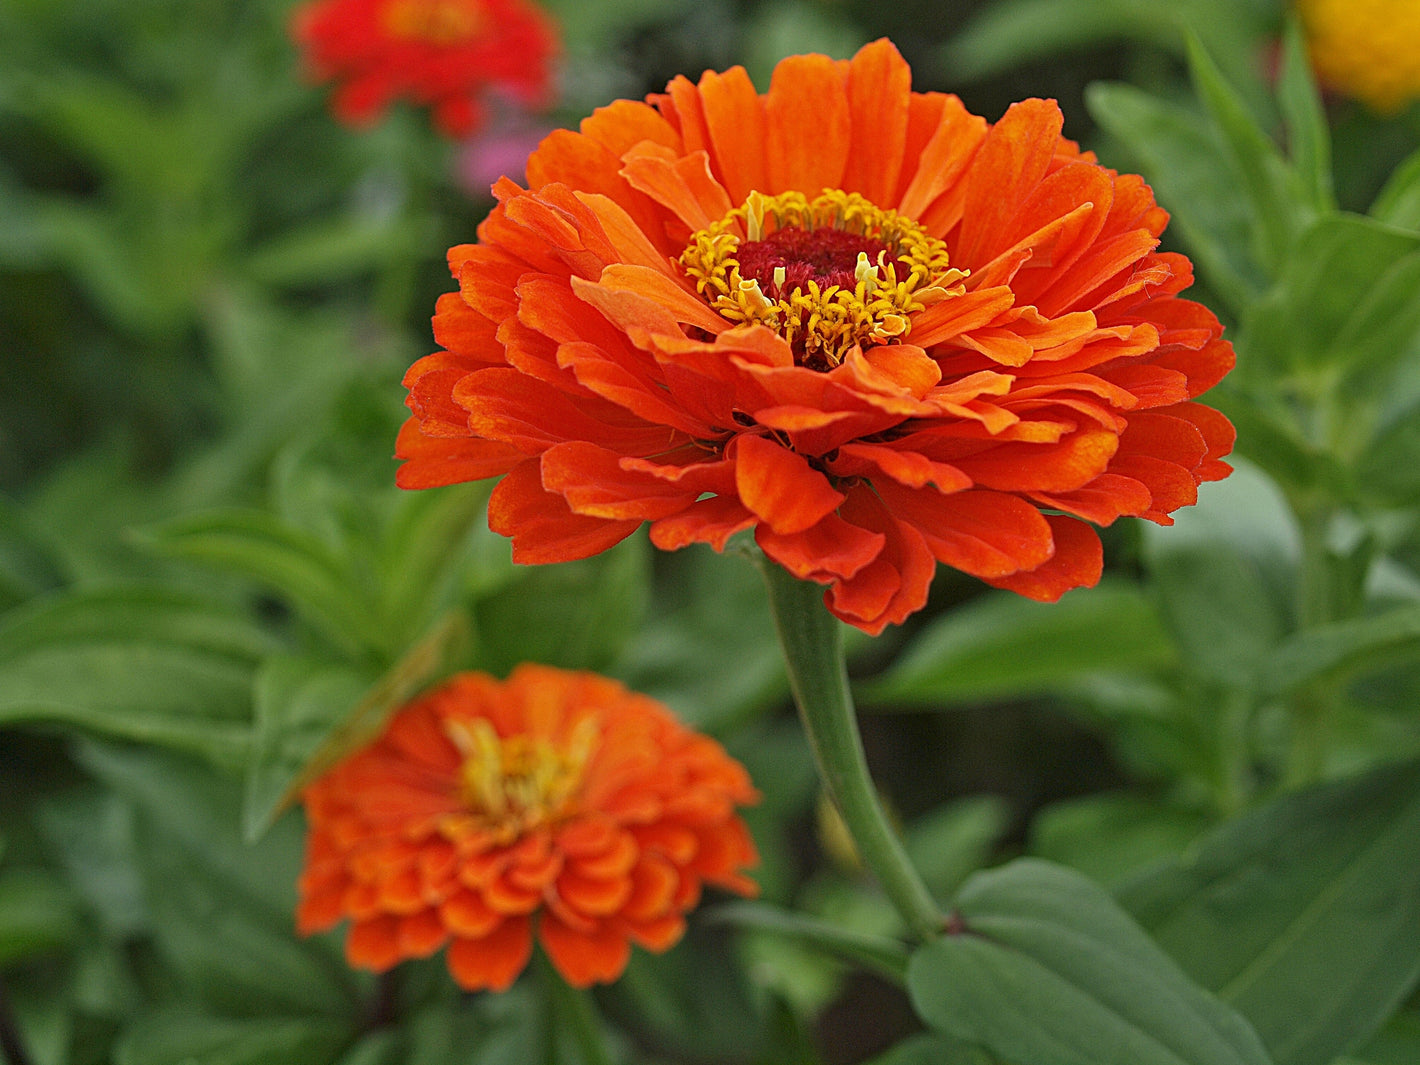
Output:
x=1369 y=49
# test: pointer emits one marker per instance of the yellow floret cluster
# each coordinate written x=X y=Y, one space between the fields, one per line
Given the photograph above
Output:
x=1368 y=49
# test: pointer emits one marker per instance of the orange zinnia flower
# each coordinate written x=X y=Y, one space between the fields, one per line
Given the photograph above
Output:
x=555 y=800
x=438 y=53
x=857 y=319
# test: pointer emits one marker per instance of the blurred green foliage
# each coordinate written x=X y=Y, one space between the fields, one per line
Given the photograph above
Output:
x=211 y=589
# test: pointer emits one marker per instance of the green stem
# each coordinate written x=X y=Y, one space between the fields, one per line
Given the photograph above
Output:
x=818 y=676
x=1312 y=707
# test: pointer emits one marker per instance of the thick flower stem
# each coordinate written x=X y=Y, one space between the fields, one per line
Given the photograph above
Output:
x=813 y=652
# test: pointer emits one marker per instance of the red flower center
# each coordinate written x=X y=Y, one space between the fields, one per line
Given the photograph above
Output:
x=437 y=22
x=827 y=257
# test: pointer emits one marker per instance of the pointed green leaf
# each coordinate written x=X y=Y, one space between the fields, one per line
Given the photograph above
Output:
x=1219 y=609
x=1338 y=649
x=311 y=713
x=1308 y=136
x=1049 y=970
x=142 y=664
x=181 y=1037
x=1344 y=299
x=1269 y=185
x=1399 y=202
x=888 y=957
x=1304 y=915
x=1179 y=152
x=223 y=911
x=1003 y=646
x=293 y=564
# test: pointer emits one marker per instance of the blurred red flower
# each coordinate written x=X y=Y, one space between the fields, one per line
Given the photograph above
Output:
x=870 y=326
x=442 y=54
x=555 y=803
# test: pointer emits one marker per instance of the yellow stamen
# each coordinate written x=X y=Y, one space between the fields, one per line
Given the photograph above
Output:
x=824 y=324
x=518 y=783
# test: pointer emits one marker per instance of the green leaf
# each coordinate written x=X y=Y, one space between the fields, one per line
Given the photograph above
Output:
x=1219 y=608
x=1304 y=915
x=298 y=702
x=181 y=1037
x=1111 y=835
x=433 y=540
x=1339 y=649
x=1399 y=201
x=1308 y=136
x=27 y=565
x=708 y=648
x=138 y=614
x=1002 y=646
x=1345 y=299
x=888 y=957
x=142 y=664
x=1398 y=1043
x=311 y=713
x=1178 y=151
x=953 y=841
x=1388 y=468
x=293 y=564
x=223 y=912
x=37 y=914
x=1270 y=186
x=576 y=615
x=1048 y=970
x=927 y=1049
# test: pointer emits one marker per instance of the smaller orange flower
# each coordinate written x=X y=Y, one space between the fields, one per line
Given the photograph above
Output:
x=555 y=802
x=438 y=53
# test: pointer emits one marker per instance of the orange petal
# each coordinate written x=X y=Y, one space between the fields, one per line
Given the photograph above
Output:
x=594 y=898
x=780 y=486
x=953 y=137
x=706 y=521
x=373 y=944
x=879 y=87
x=594 y=483
x=1107 y=497
x=682 y=184
x=1061 y=467
x=467 y=915
x=832 y=548
x=492 y=961
x=542 y=526
x=421 y=934
x=1077 y=563
x=987 y=534
x=808 y=128
x=584 y=958
x=1011 y=162
x=432 y=461
x=734 y=115
x=906 y=467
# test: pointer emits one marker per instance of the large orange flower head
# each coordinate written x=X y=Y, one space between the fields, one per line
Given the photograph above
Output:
x=870 y=326
x=554 y=803
x=437 y=53
x=1369 y=49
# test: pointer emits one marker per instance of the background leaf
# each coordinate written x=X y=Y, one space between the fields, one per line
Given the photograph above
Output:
x=1304 y=915
x=1049 y=970
x=1002 y=646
